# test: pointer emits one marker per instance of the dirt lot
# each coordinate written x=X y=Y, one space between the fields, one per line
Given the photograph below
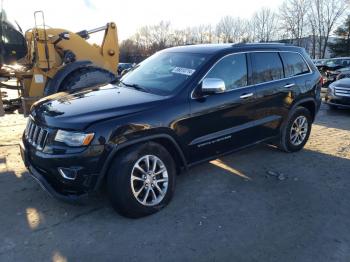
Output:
x=238 y=208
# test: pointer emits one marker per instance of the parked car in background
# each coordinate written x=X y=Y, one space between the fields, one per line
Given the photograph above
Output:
x=319 y=62
x=338 y=94
x=123 y=66
x=331 y=68
x=179 y=107
x=338 y=62
x=343 y=73
x=333 y=74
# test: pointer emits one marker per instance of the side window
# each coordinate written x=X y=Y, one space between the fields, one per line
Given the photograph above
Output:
x=294 y=64
x=232 y=70
x=266 y=67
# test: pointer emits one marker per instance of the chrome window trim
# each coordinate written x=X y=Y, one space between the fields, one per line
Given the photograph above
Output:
x=249 y=52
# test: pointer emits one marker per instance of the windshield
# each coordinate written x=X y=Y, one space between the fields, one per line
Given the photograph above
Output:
x=164 y=72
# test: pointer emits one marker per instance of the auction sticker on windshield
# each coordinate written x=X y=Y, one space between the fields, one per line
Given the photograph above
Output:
x=183 y=71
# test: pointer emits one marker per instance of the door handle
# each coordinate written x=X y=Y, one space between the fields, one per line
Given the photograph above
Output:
x=289 y=85
x=246 y=95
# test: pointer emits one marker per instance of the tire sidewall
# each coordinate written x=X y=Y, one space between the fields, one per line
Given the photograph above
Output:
x=119 y=180
x=286 y=143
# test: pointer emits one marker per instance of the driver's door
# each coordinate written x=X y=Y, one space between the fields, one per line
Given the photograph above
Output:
x=224 y=121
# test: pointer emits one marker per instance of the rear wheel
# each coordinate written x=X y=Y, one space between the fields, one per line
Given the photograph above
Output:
x=141 y=180
x=296 y=131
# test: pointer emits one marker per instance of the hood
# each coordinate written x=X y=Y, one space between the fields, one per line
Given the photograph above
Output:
x=344 y=82
x=78 y=110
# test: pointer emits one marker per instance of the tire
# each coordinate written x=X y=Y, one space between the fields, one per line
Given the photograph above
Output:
x=82 y=78
x=333 y=107
x=123 y=191
x=288 y=141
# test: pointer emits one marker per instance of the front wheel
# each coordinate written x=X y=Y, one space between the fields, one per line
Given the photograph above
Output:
x=141 y=180
x=296 y=131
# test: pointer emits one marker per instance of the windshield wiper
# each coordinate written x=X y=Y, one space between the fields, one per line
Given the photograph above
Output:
x=135 y=86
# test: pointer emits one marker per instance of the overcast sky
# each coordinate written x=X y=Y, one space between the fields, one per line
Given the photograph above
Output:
x=76 y=15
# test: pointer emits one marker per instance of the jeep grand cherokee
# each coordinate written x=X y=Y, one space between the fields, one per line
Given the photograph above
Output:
x=181 y=106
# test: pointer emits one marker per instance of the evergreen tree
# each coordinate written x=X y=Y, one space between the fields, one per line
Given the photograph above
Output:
x=342 y=45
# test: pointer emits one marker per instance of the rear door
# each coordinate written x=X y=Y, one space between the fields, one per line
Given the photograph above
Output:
x=297 y=70
x=272 y=91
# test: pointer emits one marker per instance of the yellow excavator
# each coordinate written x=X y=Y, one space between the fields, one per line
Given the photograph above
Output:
x=45 y=60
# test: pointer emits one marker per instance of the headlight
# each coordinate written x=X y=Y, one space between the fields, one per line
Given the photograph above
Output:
x=74 y=138
x=331 y=90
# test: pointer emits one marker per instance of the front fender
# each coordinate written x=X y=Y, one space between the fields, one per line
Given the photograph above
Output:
x=116 y=148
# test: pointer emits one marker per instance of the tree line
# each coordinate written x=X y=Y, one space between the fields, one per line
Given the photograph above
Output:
x=293 y=20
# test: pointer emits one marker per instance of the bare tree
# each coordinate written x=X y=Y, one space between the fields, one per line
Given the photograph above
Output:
x=160 y=33
x=293 y=16
x=178 y=37
x=325 y=14
x=229 y=29
x=264 y=25
x=313 y=31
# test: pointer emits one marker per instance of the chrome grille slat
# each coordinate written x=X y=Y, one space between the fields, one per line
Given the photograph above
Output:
x=338 y=94
x=27 y=128
x=36 y=135
x=30 y=137
x=342 y=88
x=30 y=129
x=342 y=91
x=40 y=136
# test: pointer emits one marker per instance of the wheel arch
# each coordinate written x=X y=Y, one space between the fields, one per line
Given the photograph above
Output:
x=309 y=103
x=165 y=140
x=53 y=85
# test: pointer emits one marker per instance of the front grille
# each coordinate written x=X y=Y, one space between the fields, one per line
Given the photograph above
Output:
x=342 y=91
x=36 y=135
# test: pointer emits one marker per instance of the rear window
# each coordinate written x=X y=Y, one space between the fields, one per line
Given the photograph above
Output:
x=266 y=67
x=294 y=64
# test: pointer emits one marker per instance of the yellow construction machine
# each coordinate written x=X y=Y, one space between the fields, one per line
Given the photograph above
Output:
x=45 y=60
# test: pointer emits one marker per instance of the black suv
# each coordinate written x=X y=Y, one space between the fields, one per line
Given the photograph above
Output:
x=181 y=106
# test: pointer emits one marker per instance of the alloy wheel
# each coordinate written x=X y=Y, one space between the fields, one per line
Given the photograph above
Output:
x=299 y=130
x=149 y=180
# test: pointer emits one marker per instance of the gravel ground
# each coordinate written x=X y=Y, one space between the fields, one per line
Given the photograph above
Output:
x=255 y=205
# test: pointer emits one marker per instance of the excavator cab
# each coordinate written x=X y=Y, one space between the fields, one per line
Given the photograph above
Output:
x=13 y=45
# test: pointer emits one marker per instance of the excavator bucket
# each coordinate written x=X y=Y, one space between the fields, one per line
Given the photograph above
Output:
x=13 y=45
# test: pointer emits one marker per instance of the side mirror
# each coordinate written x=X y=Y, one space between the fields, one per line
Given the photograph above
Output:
x=213 y=86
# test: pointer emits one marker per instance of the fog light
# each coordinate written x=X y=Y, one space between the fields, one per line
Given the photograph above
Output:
x=68 y=173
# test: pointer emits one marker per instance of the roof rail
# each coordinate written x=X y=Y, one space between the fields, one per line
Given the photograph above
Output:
x=264 y=43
